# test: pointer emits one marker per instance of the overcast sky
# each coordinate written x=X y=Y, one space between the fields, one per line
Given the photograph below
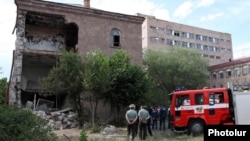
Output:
x=229 y=16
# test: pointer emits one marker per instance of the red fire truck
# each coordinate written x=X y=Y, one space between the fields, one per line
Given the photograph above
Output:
x=191 y=110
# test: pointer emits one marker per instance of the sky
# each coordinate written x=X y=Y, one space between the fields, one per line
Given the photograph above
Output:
x=228 y=16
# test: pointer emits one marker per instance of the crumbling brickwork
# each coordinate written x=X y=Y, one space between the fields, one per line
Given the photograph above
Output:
x=44 y=28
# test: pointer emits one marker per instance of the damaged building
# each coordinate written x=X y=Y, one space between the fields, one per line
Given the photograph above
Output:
x=44 y=28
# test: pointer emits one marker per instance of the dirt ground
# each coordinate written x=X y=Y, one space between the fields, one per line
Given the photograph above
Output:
x=74 y=134
x=68 y=134
x=121 y=135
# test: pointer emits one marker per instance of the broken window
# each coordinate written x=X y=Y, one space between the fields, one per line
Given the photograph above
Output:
x=211 y=56
x=221 y=75
x=176 y=33
x=115 y=38
x=205 y=47
x=191 y=45
x=71 y=36
x=210 y=39
x=228 y=73
x=184 y=44
x=205 y=55
x=169 y=32
x=211 y=48
x=170 y=42
x=184 y=35
x=245 y=70
x=198 y=37
x=177 y=43
x=204 y=38
x=198 y=46
x=191 y=35
x=214 y=76
x=236 y=72
x=217 y=49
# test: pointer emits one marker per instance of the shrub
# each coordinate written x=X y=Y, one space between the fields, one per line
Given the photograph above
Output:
x=96 y=129
x=22 y=125
x=3 y=86
x=83 y=135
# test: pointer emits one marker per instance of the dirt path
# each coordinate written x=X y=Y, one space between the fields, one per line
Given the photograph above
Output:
x=74 y=134
x=121 y=135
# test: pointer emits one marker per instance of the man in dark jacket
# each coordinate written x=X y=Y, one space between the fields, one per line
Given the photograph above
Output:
x=163 y=116
x=155 y=117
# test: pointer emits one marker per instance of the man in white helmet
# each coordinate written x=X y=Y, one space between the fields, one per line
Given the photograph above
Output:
x=131 y=118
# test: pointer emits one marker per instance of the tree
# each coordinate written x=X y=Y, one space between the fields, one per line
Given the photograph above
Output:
x=96 y=78
x=22 y=125
x=129 y=83
x=176 y=67
x=3 y=87
x=66 y=78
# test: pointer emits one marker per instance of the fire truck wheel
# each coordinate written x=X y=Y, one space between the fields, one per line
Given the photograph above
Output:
x=195 y=127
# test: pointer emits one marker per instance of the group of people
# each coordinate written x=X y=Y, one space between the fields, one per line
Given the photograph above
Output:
x=143 y=119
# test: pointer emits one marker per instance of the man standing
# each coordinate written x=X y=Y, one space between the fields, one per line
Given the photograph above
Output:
x=163 y=116
x=143 y=118
x=149 y=121
x=131 y=117
x=155 y=117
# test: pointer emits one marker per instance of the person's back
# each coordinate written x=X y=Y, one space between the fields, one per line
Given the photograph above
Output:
x=155 y=117
x=143 y=114
x=163 y=112
x=131 y=117
x=131 y=114
x=154 y=113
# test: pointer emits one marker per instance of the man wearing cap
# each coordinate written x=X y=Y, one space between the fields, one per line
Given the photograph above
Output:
x=131 y=117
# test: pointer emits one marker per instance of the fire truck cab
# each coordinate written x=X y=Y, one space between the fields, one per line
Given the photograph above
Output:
x=191 y=110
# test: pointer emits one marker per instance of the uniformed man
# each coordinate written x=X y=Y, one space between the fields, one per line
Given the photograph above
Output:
x=131 y=118
x=143 y=116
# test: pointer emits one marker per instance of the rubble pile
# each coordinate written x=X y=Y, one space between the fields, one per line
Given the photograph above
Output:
x=59 y=120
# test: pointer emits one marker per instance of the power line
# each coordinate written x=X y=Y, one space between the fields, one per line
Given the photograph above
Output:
x=6 y=21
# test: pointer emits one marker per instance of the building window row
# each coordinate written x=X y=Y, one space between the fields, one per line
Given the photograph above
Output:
x=156 y=28
x=195 y=36
x=211 y=56
x=228 y=73
x=197 y=46
x=157 y=40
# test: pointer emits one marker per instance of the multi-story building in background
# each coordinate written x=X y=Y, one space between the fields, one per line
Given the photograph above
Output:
x=158 y=34
x=235 y=72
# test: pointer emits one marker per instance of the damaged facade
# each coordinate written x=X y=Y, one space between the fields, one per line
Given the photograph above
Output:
x=44 y=28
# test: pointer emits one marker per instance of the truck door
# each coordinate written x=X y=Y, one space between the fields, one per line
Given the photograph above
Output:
x=217 y=107
x=182 y=110
x=199 y=103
